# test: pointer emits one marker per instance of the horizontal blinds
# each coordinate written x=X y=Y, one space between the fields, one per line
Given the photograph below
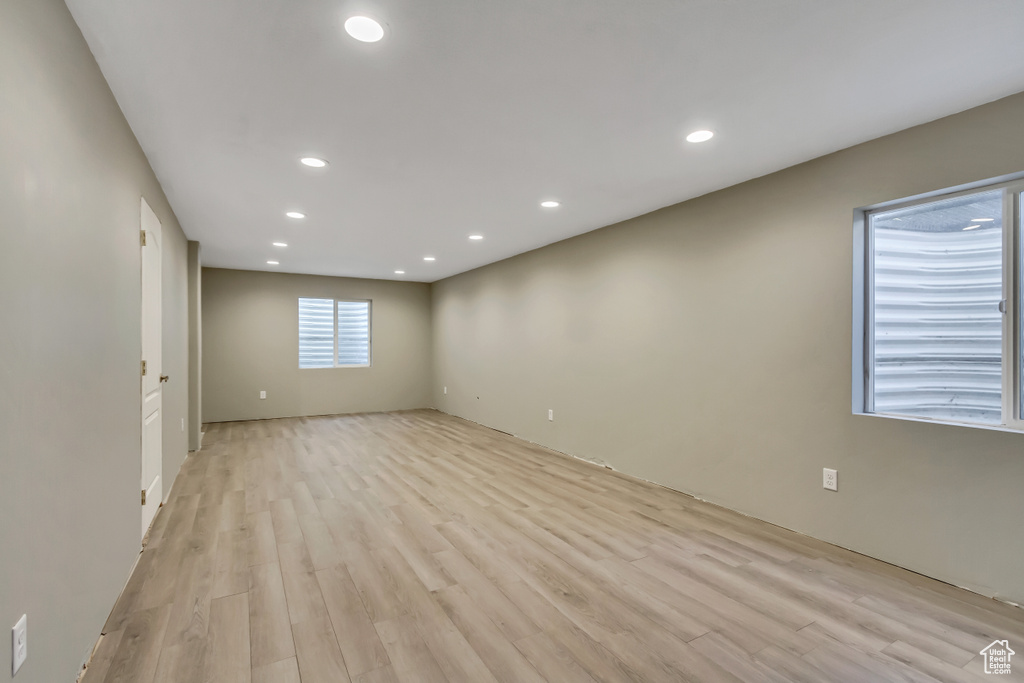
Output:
x=937 y=325
x=353 y=333
x=316 y=333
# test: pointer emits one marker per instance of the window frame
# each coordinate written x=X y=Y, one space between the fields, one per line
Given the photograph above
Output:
x=1012 y=187
x=369 y=333
x=334 y=321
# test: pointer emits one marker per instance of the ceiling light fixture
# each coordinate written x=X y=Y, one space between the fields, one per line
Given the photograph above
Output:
x=972 y=227
x=280 y=244
x=982 y=220
x=295 y=214
x=550 y=204
x=364 y=29
x=313 y=162
x=273 y=263
x=476 y=237
x=700 y=136
x=429 y=258
x=399 y=272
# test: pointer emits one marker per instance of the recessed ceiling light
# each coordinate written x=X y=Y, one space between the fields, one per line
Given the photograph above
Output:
x=982 y=220
x=700 y=136
x=476 y=237
x=399 y=272
x=429 y=258
x=364 y=29
x=280 y=244
x=972 y=227
x=295 y=214
x=550 y=204
x=273 y=263
x=313 y=162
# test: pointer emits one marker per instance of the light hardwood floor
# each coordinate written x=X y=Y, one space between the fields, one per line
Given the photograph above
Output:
x=417 y=547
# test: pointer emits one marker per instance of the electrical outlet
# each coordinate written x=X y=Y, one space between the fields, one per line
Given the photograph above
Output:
x=263 y=395
x=182 y=424
x=19 y=644
x=551 y=415
x=830 y=479
x=446 y=390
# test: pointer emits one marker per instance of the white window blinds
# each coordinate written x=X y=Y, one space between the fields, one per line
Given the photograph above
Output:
x=353 y=333
x=316 y=333
x=333 y=333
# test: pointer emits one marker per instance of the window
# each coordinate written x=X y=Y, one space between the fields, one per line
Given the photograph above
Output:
x=334 y=334
x=938 y=338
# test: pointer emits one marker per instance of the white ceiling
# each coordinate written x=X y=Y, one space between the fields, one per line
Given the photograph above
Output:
x=470 y=112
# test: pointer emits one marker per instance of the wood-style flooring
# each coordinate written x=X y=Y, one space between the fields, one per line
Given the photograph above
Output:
x=418 y=547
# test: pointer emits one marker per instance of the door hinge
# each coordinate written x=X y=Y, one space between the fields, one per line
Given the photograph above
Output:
x=143 y=496
x=142 y=237
x=143 y=368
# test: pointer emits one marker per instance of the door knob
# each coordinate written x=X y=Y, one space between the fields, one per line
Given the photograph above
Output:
x=164 y=378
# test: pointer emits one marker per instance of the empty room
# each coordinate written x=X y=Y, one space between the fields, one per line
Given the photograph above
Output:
x=498 y=342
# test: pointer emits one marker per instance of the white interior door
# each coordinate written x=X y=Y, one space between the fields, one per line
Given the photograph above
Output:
x=152 y=439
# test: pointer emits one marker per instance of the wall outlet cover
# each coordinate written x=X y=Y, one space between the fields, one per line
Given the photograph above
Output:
x=551 y=415
x=263 y=394
x=19 y=644
x=830 y=479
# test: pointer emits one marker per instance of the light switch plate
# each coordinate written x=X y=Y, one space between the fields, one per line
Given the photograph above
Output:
x=19 y=644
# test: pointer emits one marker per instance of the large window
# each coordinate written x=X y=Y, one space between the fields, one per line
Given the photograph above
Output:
x=939 y=337
x=334 y=333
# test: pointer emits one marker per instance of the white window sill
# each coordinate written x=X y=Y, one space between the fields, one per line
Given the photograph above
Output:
x=948 y=423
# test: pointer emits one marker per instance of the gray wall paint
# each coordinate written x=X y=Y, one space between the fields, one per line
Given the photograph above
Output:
x=706 y=347
x=195 y=346
x=251 y=342
x=71 y=174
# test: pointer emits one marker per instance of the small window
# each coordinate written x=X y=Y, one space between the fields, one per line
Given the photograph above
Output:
x=334 y=334
x=938 y=334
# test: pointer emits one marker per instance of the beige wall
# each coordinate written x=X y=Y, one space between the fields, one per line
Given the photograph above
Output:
x=71 y=174
x=707 y=347
x=251 y=343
